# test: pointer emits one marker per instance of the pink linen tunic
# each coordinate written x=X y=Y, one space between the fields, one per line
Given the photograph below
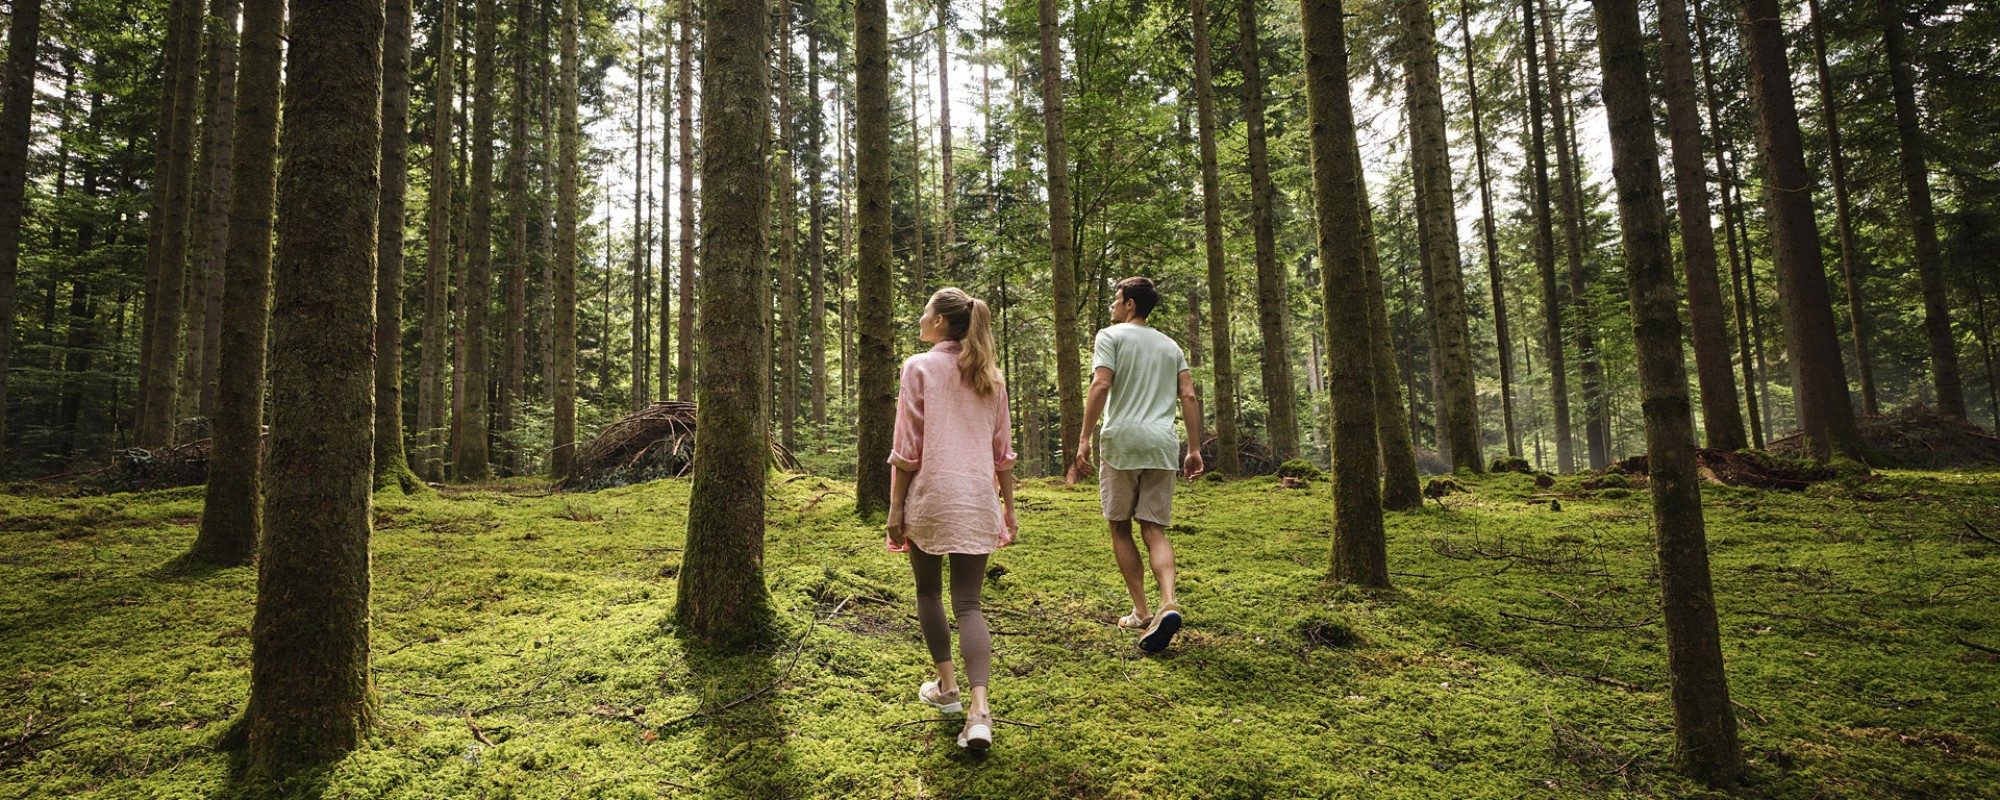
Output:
x=956 y=442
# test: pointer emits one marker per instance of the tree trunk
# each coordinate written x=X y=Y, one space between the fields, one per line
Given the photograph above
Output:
x=1810 y=340
x=1360 y=551
x=816 y=237
x=663 y=298
x=1228 y=451
x=1851 y=263
x=918 y=274
x=470 y=462
x=1434 y=196
x=1545 y=253
x=1722 y=418
x=167 y=248
x=211 y=238
x=392 y=467
x=1590 y=364
x=874 y=281
x=1923 y=220
x=722 y=599
x=947 y=228
x=684 y=385
x=641 y=249
x=1282 y=424
x=1739 y=265
x=431 y=420
x=1502 y=337
x=1704 y=723
x=1062 y=255
x=788 y=273
x=1400 y=482
x=17 y=93
x=563 y=453
x=311 y=698
x=514 y=328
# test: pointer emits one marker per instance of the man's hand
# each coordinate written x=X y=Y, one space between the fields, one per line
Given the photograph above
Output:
x=1192 y=466
x=1082 y=463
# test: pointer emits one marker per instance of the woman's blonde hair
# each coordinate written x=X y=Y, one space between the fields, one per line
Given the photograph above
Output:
x=968 y=322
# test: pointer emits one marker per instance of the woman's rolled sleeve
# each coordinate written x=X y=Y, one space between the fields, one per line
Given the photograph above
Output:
x=907 y=452
x=1003 y=431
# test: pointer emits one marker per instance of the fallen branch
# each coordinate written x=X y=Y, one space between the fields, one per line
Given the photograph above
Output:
x=1778 y=615
x=477 y=734
x=1578 y=625
x=1977 y=533
x=1976 y=646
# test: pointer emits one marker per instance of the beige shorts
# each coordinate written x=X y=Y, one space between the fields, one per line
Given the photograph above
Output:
x=1143 y=494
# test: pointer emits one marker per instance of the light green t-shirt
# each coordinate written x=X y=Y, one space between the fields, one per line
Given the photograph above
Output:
x=1146 y=365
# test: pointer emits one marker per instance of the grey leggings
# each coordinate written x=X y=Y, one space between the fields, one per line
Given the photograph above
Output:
x=968 y=572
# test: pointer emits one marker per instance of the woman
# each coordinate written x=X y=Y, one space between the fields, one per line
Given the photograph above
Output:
x=953 y=444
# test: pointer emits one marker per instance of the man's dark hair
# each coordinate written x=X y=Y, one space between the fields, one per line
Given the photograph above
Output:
x=1141 y=292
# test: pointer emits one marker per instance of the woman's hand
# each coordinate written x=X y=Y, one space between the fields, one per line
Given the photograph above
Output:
x=897 y=540
x=1011 y=528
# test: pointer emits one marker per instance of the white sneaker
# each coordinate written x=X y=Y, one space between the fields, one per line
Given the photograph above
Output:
x=946 y=702
x=978 y=732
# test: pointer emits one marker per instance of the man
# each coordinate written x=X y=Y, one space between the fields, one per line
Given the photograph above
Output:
x=1137 y=374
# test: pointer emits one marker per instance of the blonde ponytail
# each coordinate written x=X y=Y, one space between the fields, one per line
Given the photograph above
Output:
x=970 y=323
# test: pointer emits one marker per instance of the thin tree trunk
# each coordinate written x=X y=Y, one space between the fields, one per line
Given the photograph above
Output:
x=471 y=456
x=816 y=235
x=514 y=328
x=1360 y=550
x=431 y=420
x=1062 y=255
x=1434 y=195
x=167 y=247
x=213 y=193
x=919 y=277
x=1811 y=343
x=684 y=386
x=1282 y=424
x=17 y=92
x=1545 y=253
x=391 y=464
x=1739 y=258
x=788 y=272
x=874 y=283
x=1722 y=418
x=1228 y=451
x=311 y=697
x=641 y=251
x=1590 y=364
x=1851 y=258
x=1502 y=337
x=563 y=453
x=1923 y=219
x=663 y=299
x=1704 y=723
x=1400 y=482
x=947 y=228
x=722 y=599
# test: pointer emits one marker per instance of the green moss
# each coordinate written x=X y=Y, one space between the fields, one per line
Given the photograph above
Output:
x=1301 y=469
x=519 y=651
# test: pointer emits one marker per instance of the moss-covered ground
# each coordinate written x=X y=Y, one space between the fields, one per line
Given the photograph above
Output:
x=521 y=651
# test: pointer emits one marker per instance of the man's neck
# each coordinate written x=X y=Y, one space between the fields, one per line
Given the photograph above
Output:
x=1139 y=321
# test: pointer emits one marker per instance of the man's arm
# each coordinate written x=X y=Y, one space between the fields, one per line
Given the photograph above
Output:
x=1191 y=414
x=1093 y=406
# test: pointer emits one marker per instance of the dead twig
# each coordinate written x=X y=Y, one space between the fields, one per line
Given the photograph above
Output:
x=1976 y=646
x=1578 y=625
x=477 y=734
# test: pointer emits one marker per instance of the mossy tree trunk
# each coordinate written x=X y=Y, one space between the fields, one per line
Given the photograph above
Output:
x=816 y=233
x=311 y=698
x=1062 y=242
x=1401 y=485
x=1282 y=422
x=431 y=419
x=470 y=460
x=514 y=326
x=1228 y=450
x=1938 y=335
x=1459 y=403
x=211 y=236
x=1553 y=298
x=1360 y=551
x=17 y=92
x=232 y=508
x=1811 y=342
x=874 y=282
x=722 y=600
x=563 y=454
x=788 y=273
x=392 y=466
x=684 y=51
x=1704 y=723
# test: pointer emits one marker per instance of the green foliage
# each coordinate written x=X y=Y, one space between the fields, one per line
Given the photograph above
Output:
x=519 y=650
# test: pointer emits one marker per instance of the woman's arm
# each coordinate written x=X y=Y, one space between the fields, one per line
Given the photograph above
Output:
x=899 y=490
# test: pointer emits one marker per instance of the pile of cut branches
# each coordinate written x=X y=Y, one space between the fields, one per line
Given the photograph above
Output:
x=1750 y=468
x=653 y=443
x=136 y=469
x=1255 y=457
x=1916 y=437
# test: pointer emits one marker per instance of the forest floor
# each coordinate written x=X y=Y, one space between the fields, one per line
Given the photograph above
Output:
x=520 y=650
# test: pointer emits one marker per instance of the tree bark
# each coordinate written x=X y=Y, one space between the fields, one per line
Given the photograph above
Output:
x=1228 y=450
x=722 y=600
x=1722 y=418
x=1545 y=254
x=431 y=420
x=1739 y=265
x=470 y=461
x=1923 y=219
x=211 y=236
x=788 y=273
x=392 y=466
x=1360 y=550
x=663 y=298
x=311 y=698
x=1502 y=337
x=1282 y=423
x=1814 y=348
x=1459 y=403
x=684 y=384
x=1590 y=364
x=816 y=237
x=1062 y=255
x=1704 y=723
x=167 y=248
x=947 y=227
x=514 y=328
x=232 y=508
x=17 y=98
x=874 y=280
x=1851 y=258
x=642 y=251
x=1400 y=482
x=563 y=453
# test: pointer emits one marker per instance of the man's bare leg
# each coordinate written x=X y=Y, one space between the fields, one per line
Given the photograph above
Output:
x=1160 y=553
x=1130 y=566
